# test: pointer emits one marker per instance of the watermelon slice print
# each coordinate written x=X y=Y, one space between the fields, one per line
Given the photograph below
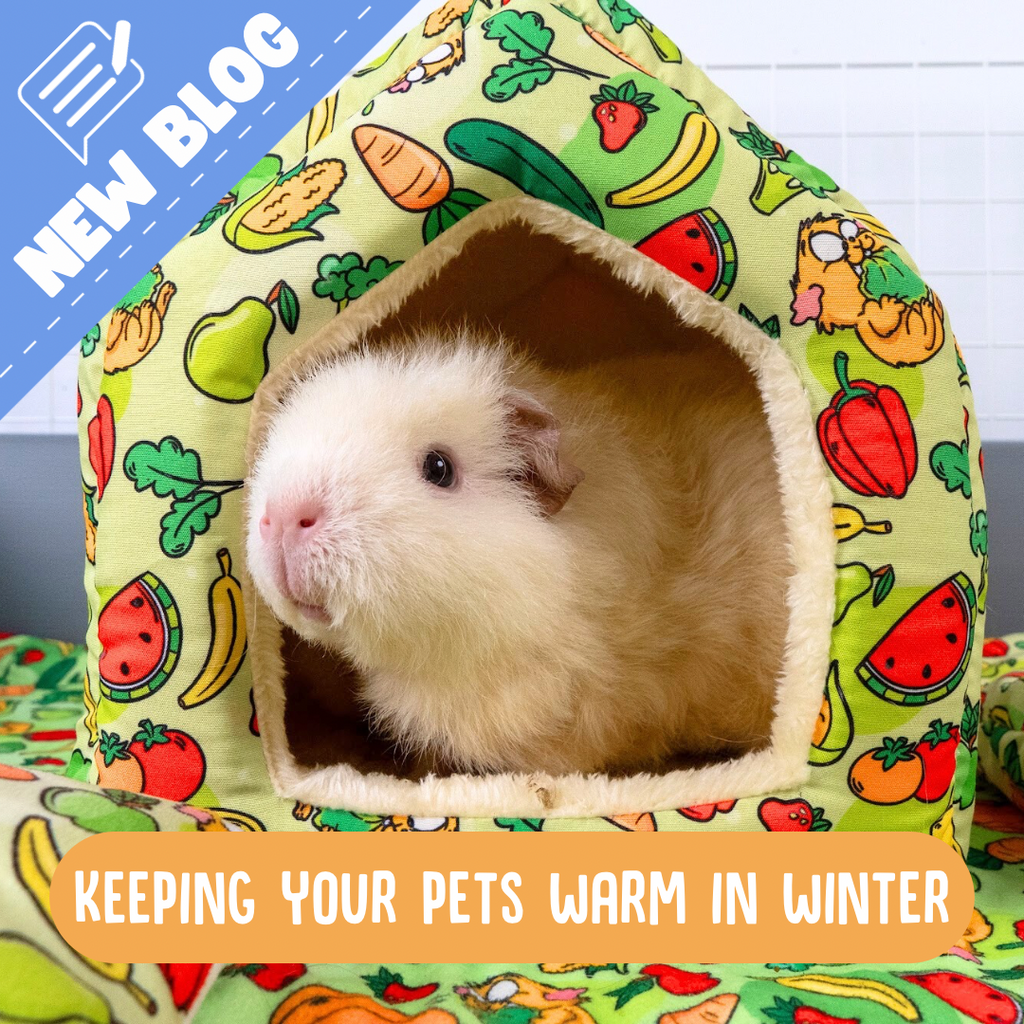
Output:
x=973 y=998
x=924 y=656
x=698 y=248
x=140 y=631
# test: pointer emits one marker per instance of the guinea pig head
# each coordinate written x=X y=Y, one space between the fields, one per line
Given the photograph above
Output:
x=404 y=507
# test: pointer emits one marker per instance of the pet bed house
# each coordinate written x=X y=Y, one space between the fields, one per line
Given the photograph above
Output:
x=561 y=172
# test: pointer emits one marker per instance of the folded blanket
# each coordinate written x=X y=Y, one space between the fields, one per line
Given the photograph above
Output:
x=45 y=810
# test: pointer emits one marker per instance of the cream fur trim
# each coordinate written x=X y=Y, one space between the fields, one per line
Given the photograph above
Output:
x=810 y=599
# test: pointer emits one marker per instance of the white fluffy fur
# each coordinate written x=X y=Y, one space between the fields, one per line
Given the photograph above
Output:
x=809 y=594
x=643 y=619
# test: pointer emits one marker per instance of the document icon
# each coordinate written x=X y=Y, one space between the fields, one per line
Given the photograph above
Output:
x=80 y=84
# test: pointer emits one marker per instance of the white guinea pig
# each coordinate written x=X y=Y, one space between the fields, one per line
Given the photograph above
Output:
x=532 y=571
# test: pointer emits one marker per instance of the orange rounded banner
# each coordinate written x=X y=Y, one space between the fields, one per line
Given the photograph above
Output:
x=853 y=897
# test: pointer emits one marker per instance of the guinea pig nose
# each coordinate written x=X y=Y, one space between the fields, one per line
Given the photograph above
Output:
x=291 y=522
x=306 y=516
x=269 y=525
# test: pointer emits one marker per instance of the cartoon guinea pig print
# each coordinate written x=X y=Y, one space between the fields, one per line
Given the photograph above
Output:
x=531 y=570
x=848 y=276
x=549 y=1005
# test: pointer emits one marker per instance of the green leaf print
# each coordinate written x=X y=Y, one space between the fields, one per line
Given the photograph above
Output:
x=804 y=174
x=760 y=144
x=620 y=13
x=770 y=326
x=518 y=76
x=979 y=532
x=1012 y=762
x=142 y=290
x=886 y=274
x=88 y=342
x=529 y=39
x=168 y=468
x=815 y=180
x=346 y=278
x=288 y=304
x=171 y=470
x=951 y=464
x=520 y=824
x=632 y=989
x=214 y=214
x=188 y=518
x=525 y=35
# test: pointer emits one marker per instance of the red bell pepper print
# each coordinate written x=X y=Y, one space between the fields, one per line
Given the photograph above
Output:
x=1018 y=927
x=391 y=987
x=101 y=444
x=937 y=751
x=269 y=977
x=866 y=436
x=185 y=981
x=995 y=648
x=669 y=979
x=705 y=812
x=678 y=982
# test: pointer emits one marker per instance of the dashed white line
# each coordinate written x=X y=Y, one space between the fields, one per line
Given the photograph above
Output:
x=194 y=183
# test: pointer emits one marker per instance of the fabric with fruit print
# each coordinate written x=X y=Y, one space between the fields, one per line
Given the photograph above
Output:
x=160 y=761
x=979 y=976
x=487 y=102
x=41 y=818
x=621 y=114
x=1001 y=744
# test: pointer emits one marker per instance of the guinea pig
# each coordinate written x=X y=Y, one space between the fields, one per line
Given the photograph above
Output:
x=531 y=570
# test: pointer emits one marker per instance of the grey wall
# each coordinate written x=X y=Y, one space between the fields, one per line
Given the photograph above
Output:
x=1004 y=495
x=41 y=536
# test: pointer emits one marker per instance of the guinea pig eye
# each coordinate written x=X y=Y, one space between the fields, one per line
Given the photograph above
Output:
x=438 y=469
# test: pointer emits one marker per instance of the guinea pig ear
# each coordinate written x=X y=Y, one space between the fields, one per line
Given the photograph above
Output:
x=536 y=433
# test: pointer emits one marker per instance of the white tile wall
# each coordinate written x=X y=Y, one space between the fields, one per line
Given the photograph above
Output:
x=922 y=119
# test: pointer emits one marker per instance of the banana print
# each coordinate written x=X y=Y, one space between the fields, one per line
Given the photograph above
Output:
x=691 y=157
x=675 y=175
x=56 y=986
x=227 y=638
x=35 y=860
x=857 y=988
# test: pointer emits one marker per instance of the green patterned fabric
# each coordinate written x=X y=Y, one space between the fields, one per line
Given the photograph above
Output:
x=43 y=815
x=1002 y=716
x=586 y=105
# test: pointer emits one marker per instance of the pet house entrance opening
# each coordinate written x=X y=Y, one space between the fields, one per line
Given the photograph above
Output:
x=569 y=304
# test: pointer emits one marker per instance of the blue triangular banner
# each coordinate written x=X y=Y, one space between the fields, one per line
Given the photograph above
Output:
x=125 y=122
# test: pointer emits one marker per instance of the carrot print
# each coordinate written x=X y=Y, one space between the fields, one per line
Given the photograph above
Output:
x=414 y=178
